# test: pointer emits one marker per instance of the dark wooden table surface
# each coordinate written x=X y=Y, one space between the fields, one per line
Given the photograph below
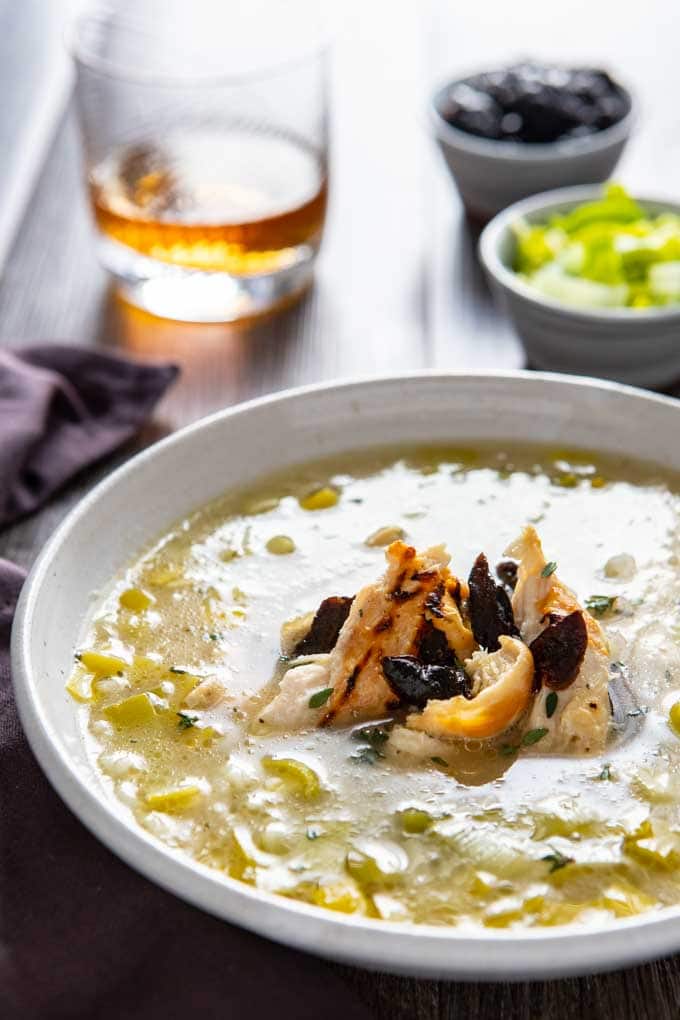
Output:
x=398 y=288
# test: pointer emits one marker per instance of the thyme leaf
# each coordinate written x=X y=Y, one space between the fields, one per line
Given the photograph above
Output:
x=600 y=605
x=373 y=735
x=320 y=697
x=533 y=737
x=557 y=860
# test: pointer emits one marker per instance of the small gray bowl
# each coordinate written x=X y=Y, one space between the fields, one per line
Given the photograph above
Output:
x=637 y=346
x=491 y=175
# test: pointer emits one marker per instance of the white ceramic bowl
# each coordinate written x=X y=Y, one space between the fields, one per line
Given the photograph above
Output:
x=138 y=501
x=637 y=346
x=491 y=175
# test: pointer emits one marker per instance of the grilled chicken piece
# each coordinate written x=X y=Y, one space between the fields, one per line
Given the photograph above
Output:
x=580 y=721
x=386 y=619
x=443 y=610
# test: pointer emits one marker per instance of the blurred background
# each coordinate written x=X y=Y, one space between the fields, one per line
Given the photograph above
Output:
x=398 y=284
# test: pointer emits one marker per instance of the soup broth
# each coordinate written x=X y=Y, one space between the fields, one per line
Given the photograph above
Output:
x=494 y=836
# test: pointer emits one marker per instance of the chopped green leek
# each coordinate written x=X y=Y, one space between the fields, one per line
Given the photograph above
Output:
x=604 y=254
x=294 y=773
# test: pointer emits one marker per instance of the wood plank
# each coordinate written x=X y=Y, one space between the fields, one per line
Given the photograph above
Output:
x=651 y=992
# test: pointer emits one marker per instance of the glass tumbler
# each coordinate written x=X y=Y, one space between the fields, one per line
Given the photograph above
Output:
x=205 y=138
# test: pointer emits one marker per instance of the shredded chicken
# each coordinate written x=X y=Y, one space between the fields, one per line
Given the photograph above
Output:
x=293 y=632
x=208 y=694
x=444 y=611
x=290 y=709
x=406 y=743
x=580 y=721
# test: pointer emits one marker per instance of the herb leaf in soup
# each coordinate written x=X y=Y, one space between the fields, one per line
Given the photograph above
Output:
x=320 y=698
x=557 y=860
x=600 y=605
x=551 y=702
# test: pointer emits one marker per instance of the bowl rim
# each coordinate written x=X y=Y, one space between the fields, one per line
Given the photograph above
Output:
x=492 y=955
x=538 y=152
x=544 y=203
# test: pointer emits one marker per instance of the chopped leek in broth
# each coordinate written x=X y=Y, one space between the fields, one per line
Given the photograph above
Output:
x=372 y=817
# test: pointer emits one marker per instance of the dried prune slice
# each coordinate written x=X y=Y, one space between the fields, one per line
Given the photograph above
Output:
x=416 y=683
x=489 y=607
x=506 y=571
x=433 y=648
x=326 y=625
x=558 y=652
x=505 y=613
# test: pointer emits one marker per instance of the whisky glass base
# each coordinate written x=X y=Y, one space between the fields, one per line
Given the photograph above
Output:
x=194 y=295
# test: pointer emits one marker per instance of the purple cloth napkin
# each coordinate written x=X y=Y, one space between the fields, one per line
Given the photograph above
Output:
x=82 y=936
x=62 y=408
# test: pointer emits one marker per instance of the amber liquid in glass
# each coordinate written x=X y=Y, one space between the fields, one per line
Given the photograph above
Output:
x=233 y=201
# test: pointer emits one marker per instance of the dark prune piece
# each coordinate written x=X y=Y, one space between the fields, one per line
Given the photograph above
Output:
x=416 y=683
x=505 y=613
x=473 y=96
x=326 y=625
x=472 y=110
x=506 y=571
x=581 y=131
x=546 y=115
x=433 y=648
x=592 y=84
x=558 y=652
x=489 y=607
x=511 y=124
x=609 y=110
